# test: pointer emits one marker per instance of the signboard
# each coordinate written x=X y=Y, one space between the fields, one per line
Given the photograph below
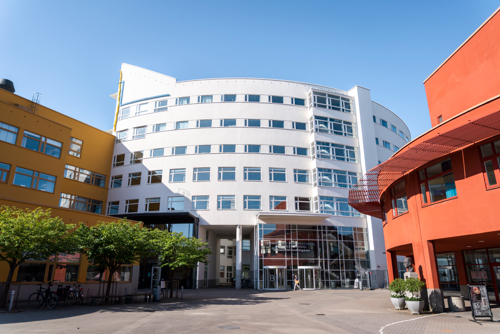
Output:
x=479 y=302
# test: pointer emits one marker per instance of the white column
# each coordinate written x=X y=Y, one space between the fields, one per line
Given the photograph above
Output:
x=238 y=256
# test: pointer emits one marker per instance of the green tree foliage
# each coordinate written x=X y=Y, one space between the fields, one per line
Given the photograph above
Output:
x=413 y=285
x=30 y=234
x=110 y=245
x=397 y=288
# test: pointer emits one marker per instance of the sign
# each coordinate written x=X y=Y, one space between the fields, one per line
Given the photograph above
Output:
x=480 y=304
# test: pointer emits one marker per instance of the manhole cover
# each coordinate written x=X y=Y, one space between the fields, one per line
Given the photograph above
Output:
x=229 y=327
x=320 y=314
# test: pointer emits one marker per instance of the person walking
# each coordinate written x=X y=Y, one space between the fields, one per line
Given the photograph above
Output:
x=297 y=281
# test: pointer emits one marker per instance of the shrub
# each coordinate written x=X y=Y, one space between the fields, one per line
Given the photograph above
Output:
x=413 y=285
x=397 y=288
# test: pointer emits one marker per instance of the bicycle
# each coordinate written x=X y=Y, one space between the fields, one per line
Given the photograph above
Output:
x=75 y=295
x=62 y=294
x=43 y=297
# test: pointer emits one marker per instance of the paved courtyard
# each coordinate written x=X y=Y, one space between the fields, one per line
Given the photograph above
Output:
x=224 y=310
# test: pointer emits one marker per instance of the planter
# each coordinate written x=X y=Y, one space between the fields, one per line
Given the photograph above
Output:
x=399 y=303
x=415 y=307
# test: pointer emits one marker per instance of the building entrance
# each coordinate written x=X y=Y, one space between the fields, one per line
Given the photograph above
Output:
x=310 y=277
x=275 y=277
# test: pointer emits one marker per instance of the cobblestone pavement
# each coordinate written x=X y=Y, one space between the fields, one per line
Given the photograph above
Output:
x=221 y=310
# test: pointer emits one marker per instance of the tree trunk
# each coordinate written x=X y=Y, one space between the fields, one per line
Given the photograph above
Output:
x=6 y=287
x=171 y=276
x=110 y=281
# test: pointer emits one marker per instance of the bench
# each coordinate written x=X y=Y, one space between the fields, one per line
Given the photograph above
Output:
x=148 y=296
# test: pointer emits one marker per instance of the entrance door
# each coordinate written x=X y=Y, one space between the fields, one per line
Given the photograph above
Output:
x=496 y=280
x=309 y=278
x=275 y=278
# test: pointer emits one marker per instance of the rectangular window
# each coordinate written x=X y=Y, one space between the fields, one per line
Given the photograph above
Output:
x=298 y=102
x=334 y=126
x=225 y=202
x=206 y=99
x=276 y=99
x=183 y=100
x=134 y=179
x=181 y=125
x=330 y=101
x=136 y=157
x=440 y=119
x=141 y=109
x=301 y=175
x=157 y=152
x=159 y=127
x=490 y=158
x=401 y=134
x=4 y=172
x=251 y=202
x=252 y=98
x=277 y=149
x=337 y=206
x=252 y=173
x=229 y=98
x=222 y=252
x=125 y=113
x=374 y=119
x=116 y=181
x=229 y=256
x=113 y=207
x=377 y=141
x=227 y=122
x=204 y=123
x=155 y=176
x=118 y=160
x=201 y=174
x=398 y=199
x=8 y=133
x=203 y=149
x=161 y=106
x=338 y=152
x=326 y=177
x=277 y=174
x=393 y=128
x=75 y=147
x=299 y=126
x=227 y=148
x=277 y=202
x=383 y=123
x=121 y=136
x=139 y=132
x=179 y=150
x=302 y=204
x=152 y=204
x=438 y=181
x=131 y=205
x=252 y=122
x=252 y=148
x=200 y=203
x=221 y=268
x=80 y=203
x=38 y=143
x=175 y=203
x=227 y=173
x=387 y=145
x=395 y=148
x=177 y=175
x=276 y=124
x=300 y=151
x=245 y=245
x=30 y=179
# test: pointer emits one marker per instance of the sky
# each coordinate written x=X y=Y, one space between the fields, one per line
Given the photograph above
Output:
x=71 y=51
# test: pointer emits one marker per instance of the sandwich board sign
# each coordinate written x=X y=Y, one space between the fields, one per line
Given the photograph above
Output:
x=479 y=302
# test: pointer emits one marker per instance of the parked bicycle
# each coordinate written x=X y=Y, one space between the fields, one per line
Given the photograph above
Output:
x=63 y=295
x=75 y=295
x=43 y=297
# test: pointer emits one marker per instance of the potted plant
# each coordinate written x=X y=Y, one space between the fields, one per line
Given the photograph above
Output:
x=414 y=303
x=397 y=288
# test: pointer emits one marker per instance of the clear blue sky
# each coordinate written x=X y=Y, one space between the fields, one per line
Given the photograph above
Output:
x=71 y=51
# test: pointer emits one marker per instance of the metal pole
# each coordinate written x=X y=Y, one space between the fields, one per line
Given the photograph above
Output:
x=13 y=293
x=182 y=292
x=238 y=256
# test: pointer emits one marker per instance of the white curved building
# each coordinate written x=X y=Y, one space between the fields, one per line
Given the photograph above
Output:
x=267 y=162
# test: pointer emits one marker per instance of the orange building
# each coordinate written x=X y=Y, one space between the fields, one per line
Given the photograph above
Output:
x=50 y=160
x=437 y=194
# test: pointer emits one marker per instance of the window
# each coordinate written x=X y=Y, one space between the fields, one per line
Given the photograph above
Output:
x=398 y=199
x=200 y=203
x=157 y=152
x=276 y=124
x=335 y=178
x=252 y=148
x=440 y=119
x=401 y=134
x=438 y=181
x=80 y=203
x=252 y=98
x=229 y=256
x=134 y=179
x=159 y=127
x=277 y=202
x=152 y=204
x=251 y=202
x=75 y=147
x=300 y=151
x=141 y=109
x=136 y=157
x=302 y=204
x=125 y=113
x=177 y=175
x=204 y=123
x=252 y=173
x=205 y=99
x=85 y=176
x=277 y=149
x=227 y=173
x=393 y=128
x=299 y=126
x=227 y=122
x=116 y=181
x=38 y=143
x=277 y=174
x=245 y=245
x=4 y=172
x=298 y=102
x=118 y=160
x=386 y=144
x=407 y=139
x=490 y=158
x=203 y=148
x=178 y=150
x=121 y=136
x=383 y=123
x=181 y=125
x=330 y=101
x=374 y=119
x=221 y=269
x=222 y=252
x=131 y=205
x=161 y=106
x=30 y=179
x=225 y=202
x=113 y=207
x=301 y=175
x=338 y=152
x=227 y=148
x=155 y=176
x=229 y=98
x=333 y=126
x=139 y=132
x=377 y=141
x=395 y=148
x=447 y=270
x=8 y=133
x=183 y=100
x=201 y=174
x=276 y=99
x=337 y=206
x=175 y=203
x=252 y=122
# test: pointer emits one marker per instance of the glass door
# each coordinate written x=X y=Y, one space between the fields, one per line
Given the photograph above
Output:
x=275 y=278
x=309 y=278
x=496 y=281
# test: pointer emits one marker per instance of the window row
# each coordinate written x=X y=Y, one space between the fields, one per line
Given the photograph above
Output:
x=333 y=126
x=201 y=174
x=28 y=178
x=330 y=101
x=326 y=177
x=393 y=128
x=339 y=152
x=85 y=176
x=386 y=144
x=80 y=203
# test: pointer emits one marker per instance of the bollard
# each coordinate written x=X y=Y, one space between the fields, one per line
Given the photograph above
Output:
x=12 y=300
x=182 y=292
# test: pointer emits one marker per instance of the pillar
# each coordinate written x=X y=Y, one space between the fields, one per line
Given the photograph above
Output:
x=434 y=292
x=392 y=265
x=238 y=256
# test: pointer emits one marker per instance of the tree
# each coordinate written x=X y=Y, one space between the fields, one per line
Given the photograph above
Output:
x=110 y=245
x=30 y=234
x=177 y=251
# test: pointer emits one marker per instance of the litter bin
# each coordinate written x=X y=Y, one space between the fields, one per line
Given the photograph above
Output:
x=156 y=293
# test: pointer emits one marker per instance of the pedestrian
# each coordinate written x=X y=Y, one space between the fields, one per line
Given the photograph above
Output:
x=296 y=280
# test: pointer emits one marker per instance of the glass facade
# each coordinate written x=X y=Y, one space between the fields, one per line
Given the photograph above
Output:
x=325 y=257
